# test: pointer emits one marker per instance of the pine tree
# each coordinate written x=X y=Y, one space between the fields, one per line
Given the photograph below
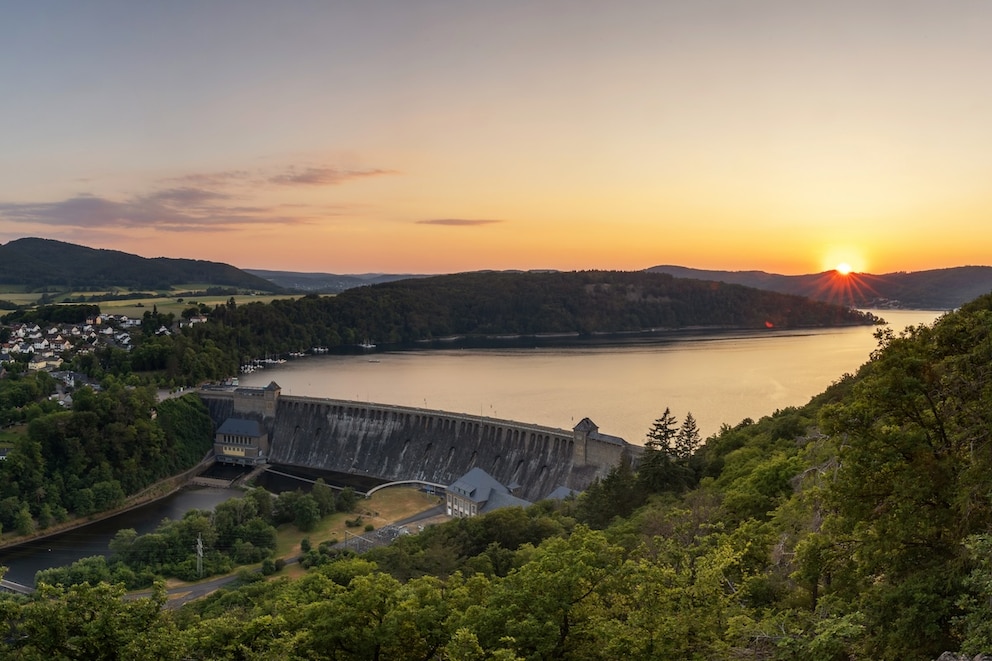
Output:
x=687 y=439
x=663 y=433
x=656 y=470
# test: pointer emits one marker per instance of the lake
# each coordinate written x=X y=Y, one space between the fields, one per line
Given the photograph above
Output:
x=721 y=378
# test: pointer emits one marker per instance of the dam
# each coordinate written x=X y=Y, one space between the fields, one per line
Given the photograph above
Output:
x=260 y=425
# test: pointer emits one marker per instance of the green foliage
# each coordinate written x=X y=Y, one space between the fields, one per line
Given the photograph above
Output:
x=345 y=501
x=663 y=433
x=324 y=496
x=53 y=314
x=232 y=535
x=18 y=392
x=616 y=495
x=112 y=443
x=44 y=262
x=89 y=622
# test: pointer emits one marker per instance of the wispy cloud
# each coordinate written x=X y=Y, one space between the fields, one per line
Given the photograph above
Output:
x=459 y=222
x=174 y=210
x=323 y=176
x=213 y=179
x=214 y=201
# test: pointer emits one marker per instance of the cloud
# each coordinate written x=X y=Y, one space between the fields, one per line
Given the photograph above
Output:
x=215 y=201
x=292 y=175
x=323 y=176
x=213 y=179
x=174 y=210
x=185 y=197
x=459 y=222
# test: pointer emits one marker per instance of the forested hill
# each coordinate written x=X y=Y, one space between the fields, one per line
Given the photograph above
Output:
x=499 y=304
x=588 y=302
x=326 y=283
x=937 y=289
x=39 y=263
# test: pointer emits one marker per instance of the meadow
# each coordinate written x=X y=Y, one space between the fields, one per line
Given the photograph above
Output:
x=172 y=301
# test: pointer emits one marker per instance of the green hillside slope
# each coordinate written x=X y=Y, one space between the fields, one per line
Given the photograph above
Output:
x=39 y=263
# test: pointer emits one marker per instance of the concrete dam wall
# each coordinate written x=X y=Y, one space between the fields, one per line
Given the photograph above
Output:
x=403 y=443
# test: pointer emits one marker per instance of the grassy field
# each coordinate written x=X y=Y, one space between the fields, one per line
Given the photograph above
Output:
x=9 y=436
x=173 y=301
x=169 y=304
x=383 y=508
x=18 y=296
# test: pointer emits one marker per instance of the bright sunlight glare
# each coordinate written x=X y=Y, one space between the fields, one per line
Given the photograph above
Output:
x=843 y=268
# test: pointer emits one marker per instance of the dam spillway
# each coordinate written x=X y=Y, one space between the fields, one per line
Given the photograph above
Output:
x=406 y=443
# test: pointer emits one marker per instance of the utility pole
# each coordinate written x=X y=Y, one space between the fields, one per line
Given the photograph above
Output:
x=199 y=555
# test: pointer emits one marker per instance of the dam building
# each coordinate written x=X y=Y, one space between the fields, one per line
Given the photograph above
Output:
x=393 y=443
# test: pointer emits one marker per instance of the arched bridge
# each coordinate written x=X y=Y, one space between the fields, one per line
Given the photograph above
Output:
x=434 y=485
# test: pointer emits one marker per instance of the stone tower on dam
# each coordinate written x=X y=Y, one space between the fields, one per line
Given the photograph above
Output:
x=405 y=443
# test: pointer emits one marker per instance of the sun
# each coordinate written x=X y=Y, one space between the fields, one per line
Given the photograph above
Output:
x=844 y=260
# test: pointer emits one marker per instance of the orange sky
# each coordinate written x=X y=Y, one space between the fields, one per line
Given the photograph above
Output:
x=441 y=136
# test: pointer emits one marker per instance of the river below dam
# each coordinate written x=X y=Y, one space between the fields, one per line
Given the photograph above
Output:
x=25 y=560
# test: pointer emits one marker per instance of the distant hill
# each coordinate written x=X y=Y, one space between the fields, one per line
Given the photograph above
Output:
x=334 y=283
x=325 y=283
x=499 y=307
x=938 y=289
x=37 y=263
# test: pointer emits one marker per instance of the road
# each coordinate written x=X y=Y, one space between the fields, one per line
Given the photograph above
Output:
x=177 y=597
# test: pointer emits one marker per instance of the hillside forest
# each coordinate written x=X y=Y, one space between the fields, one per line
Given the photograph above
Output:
x=856 y=526
x=472 y=307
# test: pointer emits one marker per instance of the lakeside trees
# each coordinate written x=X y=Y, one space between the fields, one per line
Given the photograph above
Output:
x=239 y=531
x=473 y=306
x=469 y=305
x=111 y=444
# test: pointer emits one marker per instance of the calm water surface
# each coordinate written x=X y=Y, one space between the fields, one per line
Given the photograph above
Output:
x=25 y=560
x=721 y=378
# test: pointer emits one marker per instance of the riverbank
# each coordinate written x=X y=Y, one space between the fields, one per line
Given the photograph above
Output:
x=606 y=339
x=150 y=494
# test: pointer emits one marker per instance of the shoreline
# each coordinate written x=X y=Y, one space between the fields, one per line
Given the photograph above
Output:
x=150 y=494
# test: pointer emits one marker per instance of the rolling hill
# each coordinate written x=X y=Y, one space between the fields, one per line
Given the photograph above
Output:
x=498 y=307
x=938 y=289
x=37 y=263
x=325 y=283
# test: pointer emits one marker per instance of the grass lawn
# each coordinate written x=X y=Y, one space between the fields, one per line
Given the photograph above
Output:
x=21 y=298
x=9 y=436
x=167 y=305
x=165 y=301
x=384 y=507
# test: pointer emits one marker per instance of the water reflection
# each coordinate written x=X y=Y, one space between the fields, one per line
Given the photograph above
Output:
x=59 y=550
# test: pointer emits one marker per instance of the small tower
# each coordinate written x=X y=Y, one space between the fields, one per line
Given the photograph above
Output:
x=582 y=432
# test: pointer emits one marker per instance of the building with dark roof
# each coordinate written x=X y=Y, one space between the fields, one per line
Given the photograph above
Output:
x=241 y=441
x=561 y=493
x=477 y=492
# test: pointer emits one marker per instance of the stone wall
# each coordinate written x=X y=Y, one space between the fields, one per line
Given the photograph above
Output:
x=401 y=443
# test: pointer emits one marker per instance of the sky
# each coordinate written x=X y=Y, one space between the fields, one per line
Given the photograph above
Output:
x=438 y=136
